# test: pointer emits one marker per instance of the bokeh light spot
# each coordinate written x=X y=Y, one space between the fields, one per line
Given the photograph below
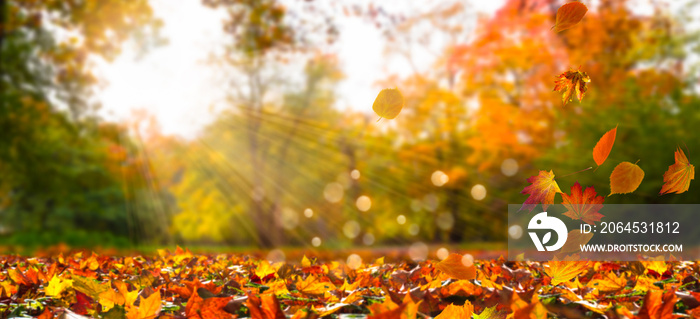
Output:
x=515 y=231
x=401 y=219
x=509 y=167
x=333 y=192
x=479 y=192
x=355 y=174
x=354 y=261
x=316 y=241
x=442 y=253
x=418 y=251
x=308 y=213
x=439 y=178
x=363 y=203
x=351 y=229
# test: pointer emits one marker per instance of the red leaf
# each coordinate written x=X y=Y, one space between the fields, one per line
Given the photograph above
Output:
x=542 y=190
x=583 y=206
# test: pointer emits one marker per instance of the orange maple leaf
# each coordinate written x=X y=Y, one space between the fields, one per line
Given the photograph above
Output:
x=570 y=82
x=542 y=190
x=582 y=205
x=678 y=176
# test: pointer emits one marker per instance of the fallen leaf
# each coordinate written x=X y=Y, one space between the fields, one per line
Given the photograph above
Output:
x=57 y=286
x=570 y=82
x=457 y=312
x=625 y=178
x=455 y=268
x=542 y=190
x=678 y=176
x=264 y=307
x=562 y=270
x=658 y=305
x=569 y=15
x=388 y=103
x=574 y=241
x=604 y=146
x=583 y=206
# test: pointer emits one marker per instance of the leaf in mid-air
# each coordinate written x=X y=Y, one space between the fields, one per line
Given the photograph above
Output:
x=388 y=103
x=574 y=241
x=678 y=176
x=570 y=82
x=604 y=146
x=564 y=270
x=625 y=178
x=455 y=268
x=542 y=190
x=569 y=15
x=582 y=205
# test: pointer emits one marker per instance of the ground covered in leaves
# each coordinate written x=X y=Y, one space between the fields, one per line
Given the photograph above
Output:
x=181 y=284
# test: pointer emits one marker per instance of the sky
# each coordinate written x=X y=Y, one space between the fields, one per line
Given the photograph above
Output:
x=177 y=85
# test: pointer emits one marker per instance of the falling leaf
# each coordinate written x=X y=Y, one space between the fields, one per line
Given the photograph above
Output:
x=604 y=146
x=583 y=206
x=455 y=268
x=678 y=176
x=625 y=178
x=574 y=241
x=570 y=82
x=457 y=312
x=569 y=15
x=388 y=103
x=542 y=190
x=561 y=271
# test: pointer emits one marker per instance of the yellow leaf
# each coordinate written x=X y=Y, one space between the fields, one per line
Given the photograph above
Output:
x=57 y=286
x=388 y=103
x=148 y=308
x=88 y=287
x=625 y=178
x=609 y=283
x=455 y=268
x=561 y=271
x=305 y=262
x=110 y=298
x=313 y=286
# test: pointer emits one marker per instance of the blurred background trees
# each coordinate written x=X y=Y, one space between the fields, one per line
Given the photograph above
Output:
x=282 y=165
